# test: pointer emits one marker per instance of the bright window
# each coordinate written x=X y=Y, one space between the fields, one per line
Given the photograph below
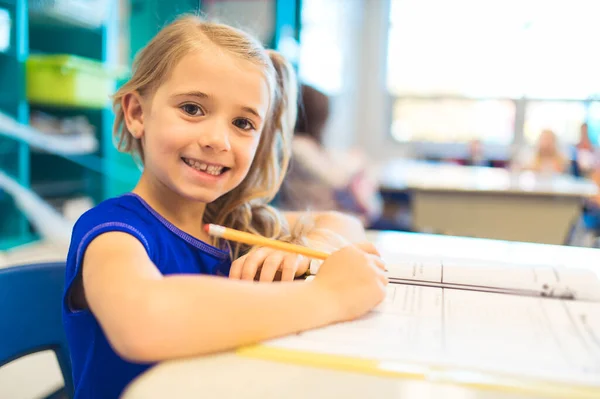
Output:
x=322 y=44
x=453 y=120
x=559 y=116
x=471 y=58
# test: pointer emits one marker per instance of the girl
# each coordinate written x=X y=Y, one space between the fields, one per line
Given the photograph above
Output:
x=320 y=179
x=584 y=156
x=548 y=158
x=209 y=112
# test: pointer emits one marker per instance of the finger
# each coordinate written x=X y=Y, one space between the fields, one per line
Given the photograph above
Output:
x=270 y=266
x=303 y=265
x=368 y=248
x=253 y=261
x=378 y=262
x=383 y=279
x=235 y=272
x=290 y=265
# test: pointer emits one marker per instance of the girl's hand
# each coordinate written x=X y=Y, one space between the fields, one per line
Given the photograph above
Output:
x=354 y=279
x=267 y=264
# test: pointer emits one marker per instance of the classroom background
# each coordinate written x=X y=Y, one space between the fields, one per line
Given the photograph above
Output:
x=453 y=117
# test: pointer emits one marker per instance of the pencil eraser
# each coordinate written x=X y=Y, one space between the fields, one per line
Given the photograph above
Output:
x=214 y=230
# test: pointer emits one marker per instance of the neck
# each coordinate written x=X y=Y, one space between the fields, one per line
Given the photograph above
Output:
x=184 y=213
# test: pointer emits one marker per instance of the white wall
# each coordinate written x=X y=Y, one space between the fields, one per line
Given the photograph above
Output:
x=373 y=119
x=253 y=16
x=341 y=130
x=360 y=110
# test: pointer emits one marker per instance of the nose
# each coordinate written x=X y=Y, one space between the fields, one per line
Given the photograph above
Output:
x=215 y=136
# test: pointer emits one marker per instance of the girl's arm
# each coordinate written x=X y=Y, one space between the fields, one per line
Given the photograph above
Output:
x=332 y=228
x=148 y=317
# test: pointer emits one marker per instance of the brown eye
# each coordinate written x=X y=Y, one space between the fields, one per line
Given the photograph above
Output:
x=243 y=124
x=192 y=109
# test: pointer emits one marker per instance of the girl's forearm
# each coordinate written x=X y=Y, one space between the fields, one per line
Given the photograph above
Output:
x=192 y=315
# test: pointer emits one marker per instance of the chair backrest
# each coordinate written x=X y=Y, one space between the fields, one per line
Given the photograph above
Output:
x=31 y=314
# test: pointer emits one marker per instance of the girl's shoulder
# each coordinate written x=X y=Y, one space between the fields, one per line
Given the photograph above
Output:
x=127 y=208
x=126 y=213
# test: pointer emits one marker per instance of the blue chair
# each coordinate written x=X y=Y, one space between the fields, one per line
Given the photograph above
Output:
x=31 y=317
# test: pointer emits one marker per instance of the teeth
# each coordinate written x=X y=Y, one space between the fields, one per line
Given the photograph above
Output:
x=210 y=169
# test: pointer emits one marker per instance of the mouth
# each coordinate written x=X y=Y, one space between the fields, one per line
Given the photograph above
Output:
x=211 y=169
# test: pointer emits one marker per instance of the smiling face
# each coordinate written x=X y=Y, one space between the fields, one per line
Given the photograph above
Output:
x=201 y=128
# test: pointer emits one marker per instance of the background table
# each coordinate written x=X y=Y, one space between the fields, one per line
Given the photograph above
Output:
x=488 y=202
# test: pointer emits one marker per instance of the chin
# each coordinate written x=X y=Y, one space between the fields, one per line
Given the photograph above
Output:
x=205 y=197
x=197 y=193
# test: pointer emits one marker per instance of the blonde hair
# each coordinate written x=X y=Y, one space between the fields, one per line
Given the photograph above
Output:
x=246 y=206
x=554 y=158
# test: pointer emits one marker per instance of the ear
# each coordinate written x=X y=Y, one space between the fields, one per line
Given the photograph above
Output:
x=131 y=103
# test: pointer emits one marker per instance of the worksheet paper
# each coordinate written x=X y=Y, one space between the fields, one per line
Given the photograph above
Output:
x=497 y=276
x=552 y=339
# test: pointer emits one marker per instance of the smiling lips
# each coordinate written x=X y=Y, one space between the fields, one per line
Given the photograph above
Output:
x=211 y=169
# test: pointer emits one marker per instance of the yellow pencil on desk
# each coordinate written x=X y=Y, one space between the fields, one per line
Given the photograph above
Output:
x=253 y=239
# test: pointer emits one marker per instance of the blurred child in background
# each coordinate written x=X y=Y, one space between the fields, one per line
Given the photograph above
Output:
x=320 y=179
x=584 y=157
x=476 y=155
x=548 y=158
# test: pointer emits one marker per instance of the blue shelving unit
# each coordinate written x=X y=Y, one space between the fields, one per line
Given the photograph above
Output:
x=14 y=155
x=107 y=172
x=49 y=37
x=52 y=176
x=287 y=19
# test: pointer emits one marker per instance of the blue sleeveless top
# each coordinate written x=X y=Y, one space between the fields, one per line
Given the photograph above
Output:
x=98 y=372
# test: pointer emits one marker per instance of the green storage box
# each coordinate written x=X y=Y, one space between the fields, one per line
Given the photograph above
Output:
x=68 y=80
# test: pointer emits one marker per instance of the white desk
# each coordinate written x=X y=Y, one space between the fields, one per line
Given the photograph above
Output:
x=488 y=202
x=232 y=376
x=229 y=376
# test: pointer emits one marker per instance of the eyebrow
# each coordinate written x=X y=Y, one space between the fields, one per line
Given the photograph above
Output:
x=198 y=94
x=252 y=111
x=202 y=95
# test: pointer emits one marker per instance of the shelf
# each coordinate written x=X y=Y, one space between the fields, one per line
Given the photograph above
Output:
x=7 y=243
x=66 y=40
x=68 y=110
x=60 y=188
x=63 y=146
x=46 y=167
x=50 y=21
x=84 y=14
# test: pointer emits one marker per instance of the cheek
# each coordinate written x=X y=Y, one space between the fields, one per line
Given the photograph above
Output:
x=168 y=133
x=252 y=149
x=245 y=150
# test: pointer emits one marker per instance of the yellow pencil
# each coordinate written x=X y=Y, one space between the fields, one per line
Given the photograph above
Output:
x=253 y=239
